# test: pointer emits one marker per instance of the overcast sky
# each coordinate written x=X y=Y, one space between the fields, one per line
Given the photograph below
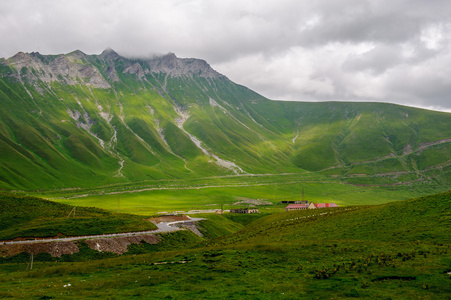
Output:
x=395 y=51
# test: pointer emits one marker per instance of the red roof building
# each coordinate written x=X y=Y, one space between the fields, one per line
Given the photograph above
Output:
x=324 y=205
x=296 y=207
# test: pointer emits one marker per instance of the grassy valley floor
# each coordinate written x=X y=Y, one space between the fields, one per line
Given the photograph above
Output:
x=151 y=197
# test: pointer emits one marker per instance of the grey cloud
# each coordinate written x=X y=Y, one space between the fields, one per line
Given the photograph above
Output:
x=378 y=50
x=376 y=21
x=377 y=60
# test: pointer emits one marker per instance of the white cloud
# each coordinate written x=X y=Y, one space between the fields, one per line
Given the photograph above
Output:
x=367 y=50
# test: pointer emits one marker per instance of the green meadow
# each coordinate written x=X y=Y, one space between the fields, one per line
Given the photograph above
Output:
x=397 y=250
x=210 y=193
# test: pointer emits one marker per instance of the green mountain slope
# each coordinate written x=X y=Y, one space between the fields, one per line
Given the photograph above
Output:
x=88 y=120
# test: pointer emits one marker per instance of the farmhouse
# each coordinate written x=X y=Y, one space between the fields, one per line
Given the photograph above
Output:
x=324 y=205
x=310 y=205
x=291 y=207
x=244 y=211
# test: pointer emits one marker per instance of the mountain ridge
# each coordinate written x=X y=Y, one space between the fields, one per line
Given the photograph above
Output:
x=60 y=65
x=78 y=120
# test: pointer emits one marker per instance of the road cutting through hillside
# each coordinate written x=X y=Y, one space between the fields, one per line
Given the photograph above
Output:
x=162 y=228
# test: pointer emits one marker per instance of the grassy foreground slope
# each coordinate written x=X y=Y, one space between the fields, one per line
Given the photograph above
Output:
x=34 y=217
x=392 y=251
x=425 y=219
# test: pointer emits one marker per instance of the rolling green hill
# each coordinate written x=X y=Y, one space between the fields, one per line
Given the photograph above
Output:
x=425 y=219
x=78 y=120
x=34 y=217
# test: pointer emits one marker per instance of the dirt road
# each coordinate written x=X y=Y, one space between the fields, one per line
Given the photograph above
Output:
x=162 y=227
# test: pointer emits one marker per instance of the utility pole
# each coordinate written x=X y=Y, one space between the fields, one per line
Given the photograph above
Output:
x=30 y=263
x=302 y=193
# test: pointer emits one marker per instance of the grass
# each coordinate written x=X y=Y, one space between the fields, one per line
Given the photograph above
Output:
x=33 y=217
x=75 y=135
x=264 y=272
x=348 y=153
x=357 y=253
x=208 y=193
x=218 y=225
x=425 y=219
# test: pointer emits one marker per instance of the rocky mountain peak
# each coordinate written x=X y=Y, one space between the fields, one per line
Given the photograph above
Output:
x=109 y=54
x=174 y=66
x=169 y=60
x=76 y=67
x=77 y=54
x=71 y=69
x=19 y=56
x=20 y=60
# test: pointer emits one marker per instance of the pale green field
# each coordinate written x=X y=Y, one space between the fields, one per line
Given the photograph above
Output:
x=212 y=193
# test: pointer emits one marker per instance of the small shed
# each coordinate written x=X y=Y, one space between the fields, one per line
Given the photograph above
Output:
x=244 y=211
x=296 y=207
x=294 y=202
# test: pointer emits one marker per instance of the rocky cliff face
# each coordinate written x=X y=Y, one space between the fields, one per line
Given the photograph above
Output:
x=68 y=69
x=77 y=68
x=174 y=66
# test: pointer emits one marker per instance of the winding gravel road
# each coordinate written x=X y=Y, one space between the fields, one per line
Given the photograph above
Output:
x=162 y=227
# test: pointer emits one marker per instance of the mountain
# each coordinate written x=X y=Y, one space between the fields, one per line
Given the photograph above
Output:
x=77 y=120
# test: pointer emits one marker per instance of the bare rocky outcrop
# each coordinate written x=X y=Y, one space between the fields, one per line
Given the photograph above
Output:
x=119 y=245
x=174 y=66
x=407 y=150
x=135 y=69
x=109 y=54
x=111 y=73
x=193 y=227
x=71 y=69
x=76 y=68
x=116 y=245
x=55 y=249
